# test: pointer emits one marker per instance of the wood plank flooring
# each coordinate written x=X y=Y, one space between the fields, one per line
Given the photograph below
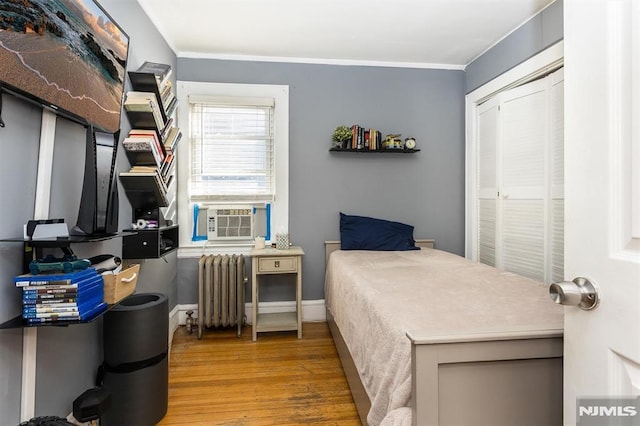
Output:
x=277 y=380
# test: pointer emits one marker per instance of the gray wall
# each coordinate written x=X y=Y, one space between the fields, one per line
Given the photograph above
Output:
x=540 y=32
x=425 y=189
x=67 y=358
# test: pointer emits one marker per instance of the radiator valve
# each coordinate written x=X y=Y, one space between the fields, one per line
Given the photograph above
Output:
x=190 y=322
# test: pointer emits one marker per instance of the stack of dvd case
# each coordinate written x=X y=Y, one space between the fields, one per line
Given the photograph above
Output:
x=57 y=297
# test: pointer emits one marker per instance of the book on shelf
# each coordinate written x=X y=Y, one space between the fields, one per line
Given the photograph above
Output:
x=168 y=98
x=172 y=139
x=167 y=167
x=54 y=278
x=167 y=128
x=365 y=139
x=144 y=140
x=137 y=103
x=154 y=76
x=161 y=71
x=171 y=106
x=147 y=171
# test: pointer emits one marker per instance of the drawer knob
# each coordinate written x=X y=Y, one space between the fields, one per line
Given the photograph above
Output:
x=277 y=263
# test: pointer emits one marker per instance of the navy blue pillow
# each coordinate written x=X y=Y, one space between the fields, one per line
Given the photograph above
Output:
x=367 y=233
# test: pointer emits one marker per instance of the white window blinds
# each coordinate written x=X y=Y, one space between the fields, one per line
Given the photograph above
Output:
x=232 y=149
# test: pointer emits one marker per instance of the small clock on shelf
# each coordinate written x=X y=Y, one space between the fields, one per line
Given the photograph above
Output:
x=409 y=143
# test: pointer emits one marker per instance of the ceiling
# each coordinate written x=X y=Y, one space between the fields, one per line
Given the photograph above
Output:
x=414 y=33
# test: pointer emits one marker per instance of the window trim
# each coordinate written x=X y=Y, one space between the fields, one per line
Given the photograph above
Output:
x=280 y=206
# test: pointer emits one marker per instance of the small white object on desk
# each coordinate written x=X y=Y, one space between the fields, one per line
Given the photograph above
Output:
x=259 y=243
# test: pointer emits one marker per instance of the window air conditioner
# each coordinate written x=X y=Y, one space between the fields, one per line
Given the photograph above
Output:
x=229 y=223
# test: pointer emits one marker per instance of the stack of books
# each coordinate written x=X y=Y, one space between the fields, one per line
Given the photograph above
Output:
x=366 y=139
x=151 y=106
x=57 y=297
x=171 y=140
x=145 y=186
x=145 y=110
x=162 y=74
x=145 y=141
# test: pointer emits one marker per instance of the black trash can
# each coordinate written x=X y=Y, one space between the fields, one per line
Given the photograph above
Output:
x=135 y=367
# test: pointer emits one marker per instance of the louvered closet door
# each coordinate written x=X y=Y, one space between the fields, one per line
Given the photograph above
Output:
x=556 y=274
x=487 y=180
x=521 y=180
x=524 y=131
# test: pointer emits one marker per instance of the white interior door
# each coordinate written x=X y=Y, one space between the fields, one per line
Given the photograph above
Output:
x=602 y=99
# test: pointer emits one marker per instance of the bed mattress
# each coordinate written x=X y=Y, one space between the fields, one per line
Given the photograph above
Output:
x=377 y=297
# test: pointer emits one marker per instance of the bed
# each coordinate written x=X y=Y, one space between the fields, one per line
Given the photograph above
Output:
x=430 y=338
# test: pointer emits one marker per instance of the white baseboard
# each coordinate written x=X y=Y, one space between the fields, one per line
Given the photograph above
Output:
x=312 y=310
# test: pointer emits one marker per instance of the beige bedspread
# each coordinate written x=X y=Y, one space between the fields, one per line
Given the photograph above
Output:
x=377 y=297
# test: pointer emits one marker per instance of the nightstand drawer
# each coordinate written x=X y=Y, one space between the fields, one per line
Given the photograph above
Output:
x=277 y=264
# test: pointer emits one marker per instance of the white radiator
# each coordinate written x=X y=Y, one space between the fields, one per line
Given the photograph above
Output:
x=221 y=280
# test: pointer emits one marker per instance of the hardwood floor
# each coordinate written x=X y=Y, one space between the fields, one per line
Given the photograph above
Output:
x=278 y=380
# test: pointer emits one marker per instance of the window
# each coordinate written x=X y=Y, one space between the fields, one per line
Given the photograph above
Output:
x=231 y=150
x=234 y=151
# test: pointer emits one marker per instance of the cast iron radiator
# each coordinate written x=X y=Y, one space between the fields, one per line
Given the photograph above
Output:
x=221 y=280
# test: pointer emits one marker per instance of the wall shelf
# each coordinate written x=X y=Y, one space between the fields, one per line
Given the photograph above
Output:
x=18 y=322
x=376 y=151
x=150 y=243
x=63 y=243
x=66 y=241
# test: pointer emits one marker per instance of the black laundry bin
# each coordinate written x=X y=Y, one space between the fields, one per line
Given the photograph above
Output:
x=135 y=367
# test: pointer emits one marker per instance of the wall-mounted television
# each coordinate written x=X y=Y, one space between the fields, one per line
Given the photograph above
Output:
x=67 y=55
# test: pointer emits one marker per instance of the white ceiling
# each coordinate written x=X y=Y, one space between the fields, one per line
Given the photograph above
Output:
x=417 y=33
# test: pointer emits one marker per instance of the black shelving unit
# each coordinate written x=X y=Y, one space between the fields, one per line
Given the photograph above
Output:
x=143 y=189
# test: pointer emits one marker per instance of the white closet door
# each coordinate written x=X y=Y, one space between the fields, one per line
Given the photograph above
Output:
x=524 y=135
x=556 y=273
x=521 y=180
x=487 y=181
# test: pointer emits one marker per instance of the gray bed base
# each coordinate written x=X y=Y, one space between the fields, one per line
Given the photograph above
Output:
x=502 y=378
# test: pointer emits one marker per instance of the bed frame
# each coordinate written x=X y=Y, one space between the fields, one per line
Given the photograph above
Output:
x=505 y=377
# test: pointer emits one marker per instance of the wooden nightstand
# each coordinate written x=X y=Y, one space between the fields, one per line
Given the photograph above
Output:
x=270 y=261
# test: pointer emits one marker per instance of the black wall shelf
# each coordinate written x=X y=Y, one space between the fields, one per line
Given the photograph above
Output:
x=376 y=151
x=18 y=322
x=65 y=241
x=150 y=243
x=60 y=242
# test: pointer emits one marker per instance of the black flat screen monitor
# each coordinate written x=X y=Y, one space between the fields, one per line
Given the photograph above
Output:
x=67 y=55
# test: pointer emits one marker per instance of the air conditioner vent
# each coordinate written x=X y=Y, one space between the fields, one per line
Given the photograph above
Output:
x=229 y=223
